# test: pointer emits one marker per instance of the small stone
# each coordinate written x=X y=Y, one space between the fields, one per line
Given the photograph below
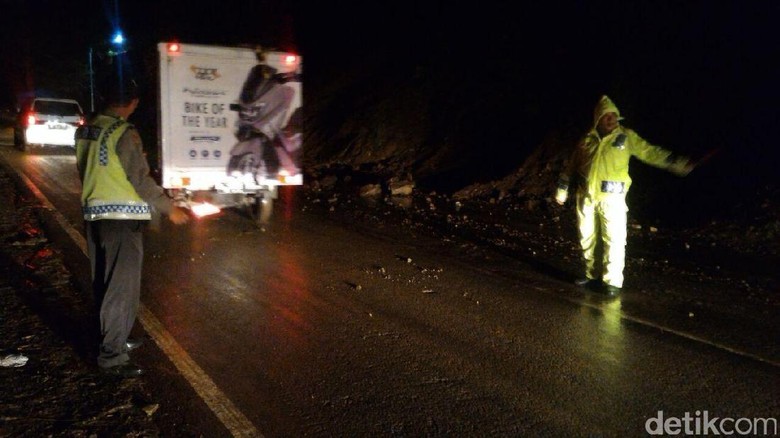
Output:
x=371 y=191
x=13 y=361
x=151 y=409
x=401 y=188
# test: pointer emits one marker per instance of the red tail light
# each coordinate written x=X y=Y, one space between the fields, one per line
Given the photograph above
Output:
x=31 y=120
x=81 y=121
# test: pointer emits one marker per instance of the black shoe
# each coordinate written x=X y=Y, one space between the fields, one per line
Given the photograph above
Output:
x=586 y=282
x=612 y=291
x=124 y=370
x=133 y=343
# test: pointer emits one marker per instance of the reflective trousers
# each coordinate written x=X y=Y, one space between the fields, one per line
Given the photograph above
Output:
x=602 y=232
x=116 y=256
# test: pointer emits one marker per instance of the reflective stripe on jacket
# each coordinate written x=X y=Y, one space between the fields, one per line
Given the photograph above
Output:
x=106 y=191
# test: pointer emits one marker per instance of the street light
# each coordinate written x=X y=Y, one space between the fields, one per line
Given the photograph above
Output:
x=118 y=40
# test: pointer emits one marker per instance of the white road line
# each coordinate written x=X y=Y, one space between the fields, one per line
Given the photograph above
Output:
x=646 y=322
x=223 y=408
x=232 y=418
x=604 y=310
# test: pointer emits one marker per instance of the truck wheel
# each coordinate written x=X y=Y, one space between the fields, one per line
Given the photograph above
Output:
x=264 y=207
x=260 y=211
x=21 y=142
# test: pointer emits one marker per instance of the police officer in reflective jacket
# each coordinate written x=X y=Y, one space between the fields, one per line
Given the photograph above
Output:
x=598 y=174
x=118 y=199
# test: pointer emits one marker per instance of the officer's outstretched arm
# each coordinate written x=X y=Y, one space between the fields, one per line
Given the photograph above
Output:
x=659 y=157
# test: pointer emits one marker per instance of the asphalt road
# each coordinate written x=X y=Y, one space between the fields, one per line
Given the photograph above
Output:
x=310 y=327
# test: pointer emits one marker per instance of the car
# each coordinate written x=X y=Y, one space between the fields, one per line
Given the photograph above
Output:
x=48 y=122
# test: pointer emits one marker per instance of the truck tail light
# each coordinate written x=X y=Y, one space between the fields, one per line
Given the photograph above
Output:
x=290 y=59
x=31 y=120
x=174 y=48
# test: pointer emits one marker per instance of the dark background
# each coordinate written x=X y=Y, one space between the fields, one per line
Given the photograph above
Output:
x=487 y=82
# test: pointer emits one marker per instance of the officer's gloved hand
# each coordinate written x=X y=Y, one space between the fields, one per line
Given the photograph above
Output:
x=178 y=215
x=560 y=196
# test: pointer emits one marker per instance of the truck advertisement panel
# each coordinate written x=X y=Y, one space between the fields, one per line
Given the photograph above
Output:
x=230 y=118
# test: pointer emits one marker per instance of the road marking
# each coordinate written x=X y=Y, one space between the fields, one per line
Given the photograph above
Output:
x=230 y=416
x=646 y=322
x=223 y=408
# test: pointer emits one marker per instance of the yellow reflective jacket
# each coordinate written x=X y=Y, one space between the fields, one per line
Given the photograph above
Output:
x=106 y=191
x=599 y=166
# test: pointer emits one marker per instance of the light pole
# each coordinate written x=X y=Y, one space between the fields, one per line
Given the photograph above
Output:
x=91 y=83
x=118 y=40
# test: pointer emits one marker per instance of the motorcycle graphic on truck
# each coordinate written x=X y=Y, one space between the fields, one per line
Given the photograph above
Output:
x=268 y=139
x=231 y=125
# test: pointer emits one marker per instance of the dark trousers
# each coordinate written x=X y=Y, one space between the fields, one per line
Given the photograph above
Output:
x=116 y=257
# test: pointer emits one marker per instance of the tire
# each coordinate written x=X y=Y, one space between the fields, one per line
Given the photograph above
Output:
x=18 y=140
x=21 y=143
x=261 y=210
x=266 y=207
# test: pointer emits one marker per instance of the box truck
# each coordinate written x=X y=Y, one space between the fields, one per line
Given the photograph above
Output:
x=230 y=125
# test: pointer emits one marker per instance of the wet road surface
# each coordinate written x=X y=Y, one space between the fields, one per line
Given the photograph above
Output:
x=314 y=328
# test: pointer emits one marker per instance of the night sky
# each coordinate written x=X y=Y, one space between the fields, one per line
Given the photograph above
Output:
x=690 y=75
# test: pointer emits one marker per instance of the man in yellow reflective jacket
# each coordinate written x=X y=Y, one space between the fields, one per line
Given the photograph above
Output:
x=598 y=173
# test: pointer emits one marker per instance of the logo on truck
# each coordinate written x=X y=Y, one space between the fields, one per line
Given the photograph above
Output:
x=204 y=138
x=197 y=92
x=204 y=73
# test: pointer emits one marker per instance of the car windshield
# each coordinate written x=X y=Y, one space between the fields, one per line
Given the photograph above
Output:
x=57 y=108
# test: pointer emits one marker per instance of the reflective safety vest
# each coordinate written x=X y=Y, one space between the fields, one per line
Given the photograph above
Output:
x=106 y=191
